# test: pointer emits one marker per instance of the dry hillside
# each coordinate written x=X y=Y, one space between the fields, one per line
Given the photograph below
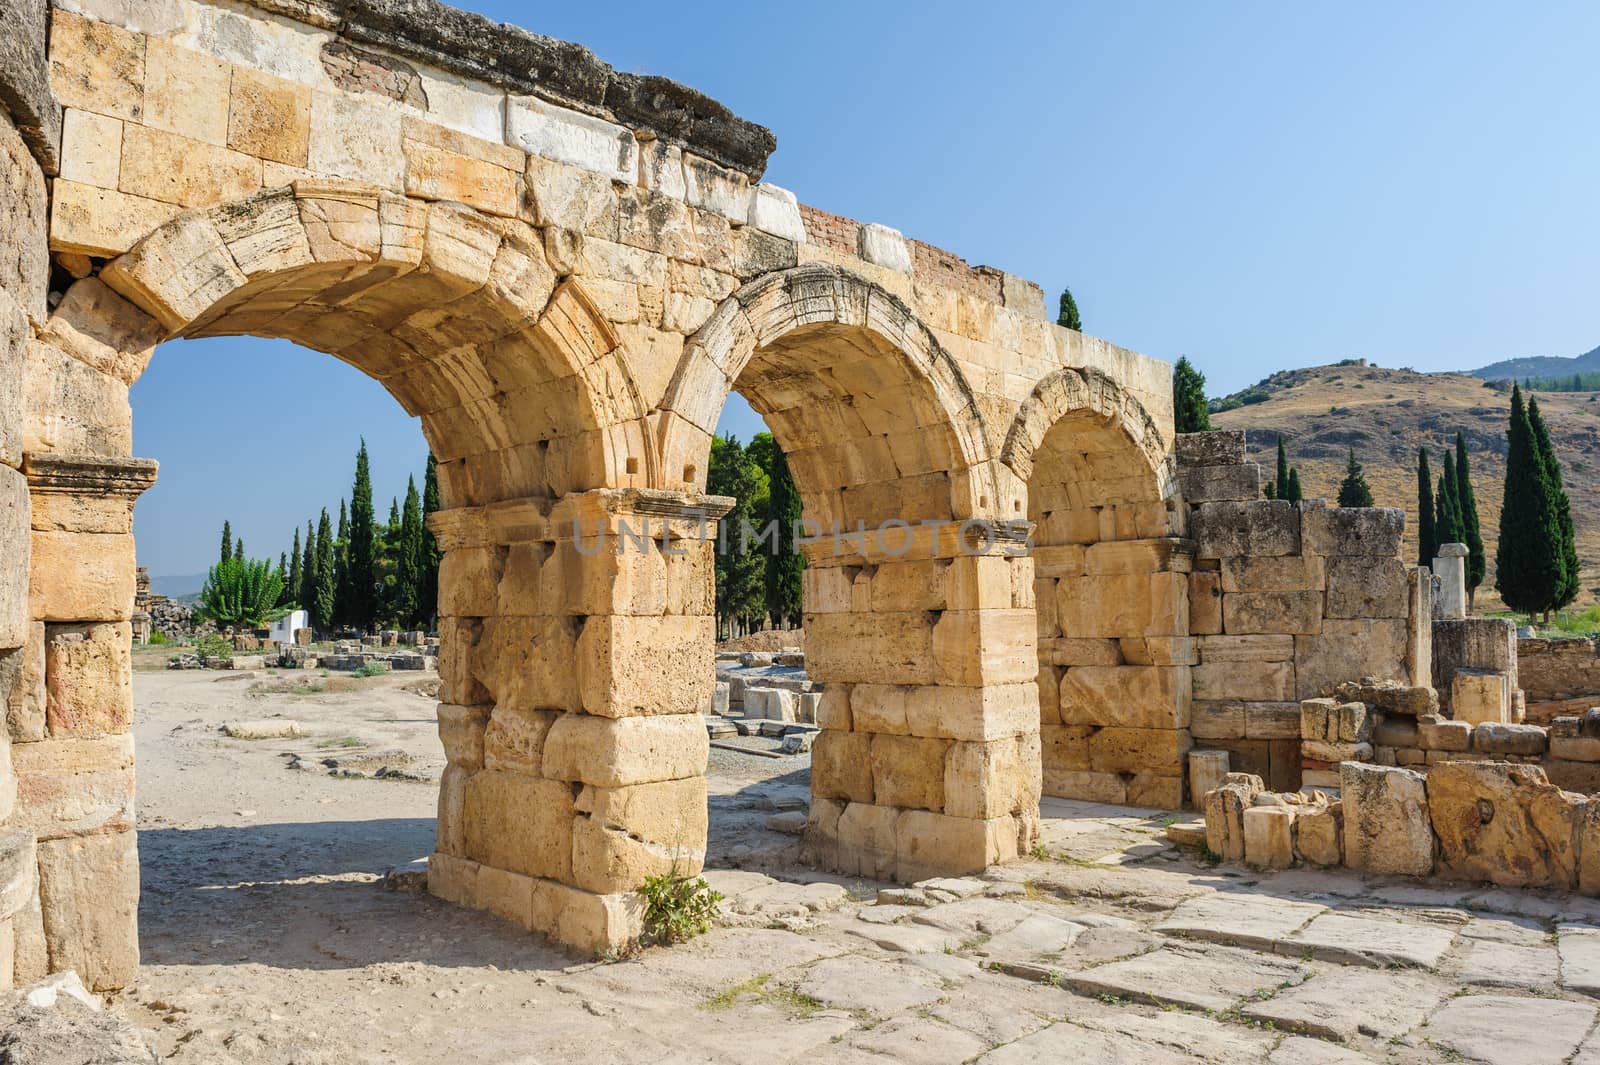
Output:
x=1386 y=415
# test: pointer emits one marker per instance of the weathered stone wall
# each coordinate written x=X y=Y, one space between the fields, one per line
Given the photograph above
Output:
x=1559 y=677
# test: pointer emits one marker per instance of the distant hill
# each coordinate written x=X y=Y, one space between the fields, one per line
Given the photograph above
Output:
x=1539 y=366
x=1386 y=415
x=178 y=587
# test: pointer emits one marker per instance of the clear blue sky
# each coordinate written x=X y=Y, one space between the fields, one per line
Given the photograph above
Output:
x=1254 y=185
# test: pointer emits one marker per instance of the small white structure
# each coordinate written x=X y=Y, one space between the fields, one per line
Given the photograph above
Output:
x=1450 y=566
x=283 y=628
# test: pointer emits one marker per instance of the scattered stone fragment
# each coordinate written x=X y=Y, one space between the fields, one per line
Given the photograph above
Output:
x=790 y=822
x=959 y=886
x=267 y=729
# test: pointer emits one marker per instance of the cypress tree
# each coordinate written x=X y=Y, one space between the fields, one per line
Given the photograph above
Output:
x=408 y=576
x=291 y=585
x=1528 y=561
x=1447 y=520
x=1283 y=470
x=326 y=599
x=341 y=570
x=306 y=590
x=740 y=574
x=786 y=563
x=227 y=542
x=363 y=549
x=1295 y=495
x=1567 y=544
x=1471 y=528
x=1353 y=491
x=428 y=597
x=1189 y=411
x=1270 y=490
x=1427 y=535
x=1067 y=312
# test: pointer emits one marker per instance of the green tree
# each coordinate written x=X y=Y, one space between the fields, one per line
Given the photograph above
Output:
x=327 y=575
x=1427 y=535
x=1353 y=490
x=1295 y=494
x=341 y=570
x=786 y=563
x=291 y=585
x=307 y=589
x=1567 y=544
x=227 y=542
x=1471 y=526
x=1447 y=516
x=1281 y=481
x=1528 y=559
x=740 y=573
x=428 y=597
x=363 y=547
x=1067 y=312
x=408 y=577
x=1189 y=411
x=243 y=593
x=238 y=550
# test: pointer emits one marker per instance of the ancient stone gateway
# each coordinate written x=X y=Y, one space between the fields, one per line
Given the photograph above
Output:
x=563 y=271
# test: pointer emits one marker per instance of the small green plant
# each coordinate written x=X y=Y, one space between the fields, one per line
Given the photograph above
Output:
x=339 y=741
x=371 y=669
x=213 y=645
x=159 y=639
x=677 y=908
x=1041 y=852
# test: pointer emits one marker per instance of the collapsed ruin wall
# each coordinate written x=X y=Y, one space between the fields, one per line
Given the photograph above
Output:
x=1560 y=677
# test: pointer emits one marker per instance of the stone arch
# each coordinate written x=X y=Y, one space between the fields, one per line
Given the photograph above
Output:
x=520 y=383
x=855 y=387
x=1111 y=591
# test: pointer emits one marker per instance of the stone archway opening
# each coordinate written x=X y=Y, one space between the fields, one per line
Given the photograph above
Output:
x=917 y=594
x=1111 y=585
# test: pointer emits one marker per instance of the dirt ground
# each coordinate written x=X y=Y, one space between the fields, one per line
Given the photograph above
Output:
x=268 y=936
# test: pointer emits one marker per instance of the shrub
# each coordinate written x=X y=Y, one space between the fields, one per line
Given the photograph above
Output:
x=677 y=908
x=370 y=669
x=242 y=592
x=213 y=645
x=158 y=639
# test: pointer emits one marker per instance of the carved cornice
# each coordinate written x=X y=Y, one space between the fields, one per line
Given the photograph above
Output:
x=89 y=475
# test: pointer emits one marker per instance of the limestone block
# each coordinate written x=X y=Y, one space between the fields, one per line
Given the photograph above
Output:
x=185 y=92
x=1348 y=650
x=72 y=407
x=356 y=138
x=1065 y=747
x=436 y=173
x=1272 y=721
x=1137 y=556
x=1340 y=531
x=1134 y=750
x=606 y=925
x=1249 y=681
x=459 y=653
x=931 y=844
x=269 y=117
x=1159 y=651
x=1207 y=771
x=1367 y=586
x=514 y=738
x=1498 y=738
x=75 y=785
x=1505 y=824
x=980 y=647
x=22 y=692
x=1319 y=834
x=96 y=66
x=505 y=894
x=88 y=678
x=909 y=585
x=551 y=132
x=998 y=778
x=102 y=330
x=1386 y=824
x=1477 y=696
x=1246 y=648
x=871 y=648
x=1396 y=732
x=81 y=575
x=645 y=665
x=1205 y=603
x=15 y=557
x=450 y=829
x=1219 y=447
x=1319 y=719
x=1589 y=850
x=25 y=266
x=1147 y=697
x=168 y=168
x=1245 y=613
x=623 y=835
x=461 y=733
x=15 y=333
x=1582 y=777
x=775 y=210
x=1268 y=527
x=1118 y=605
x=614 y=752
x=866 y=840
x=104 y=222
x=1289 y=573
x=1269 y=837
x=841 y=766
x=880 y=708
x=1212 y=484
x=91 y=148
x=1224 y=720
x=833 y=708
x=520 y=823
x=1356 y=723
x=884 y=247
x=1439 y=734
x=1086 y=785
x=1158 y=790
x=1419 y=627
x=1225 y=808
x=19 y=863
x=452 y=879
x=89 y=895
x=908 y=771
x=1332 y=751
x=1066 y=651
x=718 y=190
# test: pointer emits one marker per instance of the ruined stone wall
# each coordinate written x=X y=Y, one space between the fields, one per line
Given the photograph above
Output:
x=1559 y=677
